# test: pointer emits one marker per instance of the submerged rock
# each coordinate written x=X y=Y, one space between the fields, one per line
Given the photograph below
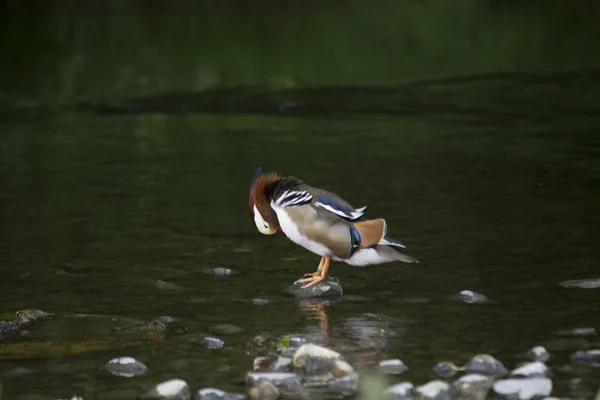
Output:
x=264 y=390
x=213 y=342
x=401 y=391
x=486 y=364
x=163 y=285
x=581 y=283
x=285 y=380
x=446 y=369
x=216 y=394
x=579 y=332
x=538 y=353
x=281 y=364
x=219 y=271
x=434 y=390
x=536 y=368
x=471 y=387
x=174 y=389
x=127 y=367
x=587 y=357
x=225 y=329
x=260 y=302
x=471 y=297
x=523 y=389
x=346 y=385
x=394 y=367
x=329 y=287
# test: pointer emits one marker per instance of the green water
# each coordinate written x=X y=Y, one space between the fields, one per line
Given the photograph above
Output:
x=472 y=128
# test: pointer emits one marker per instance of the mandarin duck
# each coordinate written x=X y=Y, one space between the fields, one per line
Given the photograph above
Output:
x=321 y=222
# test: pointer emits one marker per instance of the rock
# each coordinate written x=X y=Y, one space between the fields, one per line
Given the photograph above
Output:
x=329 y=287
x=446 y=369
x=127 y=367
x=471 y=387
x=538 y=353
x=297 y=341
x=470 y=297
x=341 y=369
x=219 y=271
x=485 y=364
x=264 y=390
x=523 y=389
x=346 y=385
x=581 y=283
x=401 y=391
x=216 y=394
x=213 y=342
x=314 y=360
x=261 y=363
x=434 y=390
x=226 y=329
x=260 y=302
x=282 y=364
x=174 y=389
x=162 y=285
x=286 y=380
x=394 y=366
x=579 y=332
x=536 y=368
x=165 y=319
x=587 y=357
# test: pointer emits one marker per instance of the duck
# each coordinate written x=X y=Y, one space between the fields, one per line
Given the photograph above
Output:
x=321 y=222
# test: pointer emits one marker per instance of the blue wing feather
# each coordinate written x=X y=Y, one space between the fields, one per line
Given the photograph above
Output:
x=331 y=205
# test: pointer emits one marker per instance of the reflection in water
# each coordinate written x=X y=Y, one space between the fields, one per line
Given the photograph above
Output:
x=316 y=309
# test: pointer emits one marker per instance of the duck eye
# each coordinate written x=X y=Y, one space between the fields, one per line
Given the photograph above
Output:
x=266 y=225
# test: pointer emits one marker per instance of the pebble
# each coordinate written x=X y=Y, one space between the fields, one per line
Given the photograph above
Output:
x=434 y=390
x=536 y=368
x=213 y=342
x=260 y=302
x=127 y=367
x=174 y=389
x=401 y=391
x=587 y=357
x=471 y=297
x=392 y=367
x=524 y=389
x=486 y=364
x=538 y=353
x=445 y=369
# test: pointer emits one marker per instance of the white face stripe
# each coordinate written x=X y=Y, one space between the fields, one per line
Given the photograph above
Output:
x=262 y=225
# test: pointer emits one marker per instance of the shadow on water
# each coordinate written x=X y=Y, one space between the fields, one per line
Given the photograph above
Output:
x=128 y=141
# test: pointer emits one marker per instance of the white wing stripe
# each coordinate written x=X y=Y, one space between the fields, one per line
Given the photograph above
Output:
x=353 y=214
x=292 y=197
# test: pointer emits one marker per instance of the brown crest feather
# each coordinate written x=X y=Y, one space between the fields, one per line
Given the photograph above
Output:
x=371 y=231
x=259 y=198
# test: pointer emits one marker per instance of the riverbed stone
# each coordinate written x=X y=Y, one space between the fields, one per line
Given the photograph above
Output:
x=486 y=364
x=587 y=357
x=260 y=302
x=127 y=367
x=393 y=366
x=163 y=285
x=173 y=389
x=217 y=394
x=286 y=380
x=538 y=353
x=345 y=385
x=329 y=287
x=471 y=297
x=401 y=391
x=587 y=331
x=264 y=390
x=536 y=368
x=313 y=359
x=523 y=388
x=593 y=283
x=434 y=390
x=445 y=369
x=226 y=329
x=471 y=387
x=281 y=364
x=212 y=342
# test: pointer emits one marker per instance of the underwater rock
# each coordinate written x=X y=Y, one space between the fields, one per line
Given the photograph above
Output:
x=523 y=389
x=216 y=394
x=163 y=285
x=225 y=329
x=264 y=390
x=213 y=342
x=260 y=302
x=329 y=287
x=471 y=387
x=219 y=271
x=587 y=357
x=529 y=370
x=286 y=380
x=401 y=391
x=392 y=367
x=174 y=389
x=20 y=325
x=581 y=283
x=446 y=369
x=434 y=390
x=579 y=332
x=471 y=297
x=486 y=364
x=281 y=364
x=538 y=353
x=127 y=367
x=346 y=385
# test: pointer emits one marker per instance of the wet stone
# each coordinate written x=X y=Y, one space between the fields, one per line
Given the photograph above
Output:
x=486 y=364
x=314 y=360
x=581 y=283
x=174 y=389
x=226 y=329
x=260 y=302
x=165 y=319
x=163 y=285
x=219 y=271
x=341 y=368
x=127 y=367
x=401 y=391
x=329 y=287
x=471 y=387
x=579 y=332
x=285 y=380
x=523 y=389
x=587 y=357
x=346 y=385
x=216 y=394
x=538 y=353
x=536 y=368
x=434 y=390
x=471 y=297
x=264 y=390
x=445 y=369
x=392 y=367
x=281 y=364
x=213 y=342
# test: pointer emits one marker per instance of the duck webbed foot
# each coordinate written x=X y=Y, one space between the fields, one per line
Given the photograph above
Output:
x=317 y=276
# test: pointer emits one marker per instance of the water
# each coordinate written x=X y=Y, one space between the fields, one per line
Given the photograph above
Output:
x=491 y=179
